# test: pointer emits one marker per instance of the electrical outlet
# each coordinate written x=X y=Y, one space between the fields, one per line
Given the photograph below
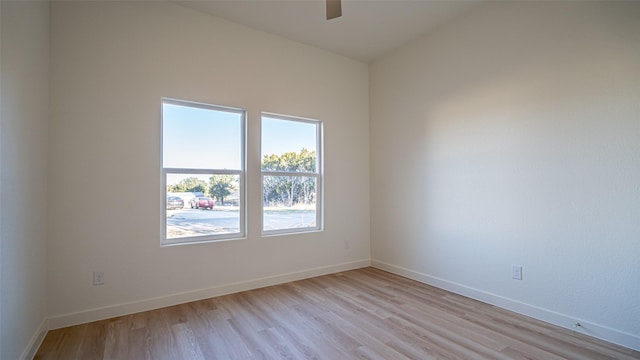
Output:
x=516 y=272
x=98 y=278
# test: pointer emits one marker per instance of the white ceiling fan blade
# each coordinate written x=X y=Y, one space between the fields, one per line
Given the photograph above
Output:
x=334 y=9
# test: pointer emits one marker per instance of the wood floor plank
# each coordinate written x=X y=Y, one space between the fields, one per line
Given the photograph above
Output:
x=116 y=343
x=139 y=344
x=61 y=343
x=92 y=346
x=227 y=339
x=160 y=342
x=280 y=345
x=187 y=344
x=360 y=314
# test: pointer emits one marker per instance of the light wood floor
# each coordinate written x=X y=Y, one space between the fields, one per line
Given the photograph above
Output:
x=363 y=314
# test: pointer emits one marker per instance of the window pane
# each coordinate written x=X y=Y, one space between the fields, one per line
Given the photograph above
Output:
x=196 y=137
x=289 y=202
x=289 y=145
x=210 y=205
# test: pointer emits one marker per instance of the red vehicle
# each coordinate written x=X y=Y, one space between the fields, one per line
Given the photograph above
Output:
x=202 y=203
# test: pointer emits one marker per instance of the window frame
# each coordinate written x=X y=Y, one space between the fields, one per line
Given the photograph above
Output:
x=318 y=175
x=241 y=173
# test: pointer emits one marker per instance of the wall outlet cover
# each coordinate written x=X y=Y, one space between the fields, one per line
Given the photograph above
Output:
x=98 y=278
x=516 y=272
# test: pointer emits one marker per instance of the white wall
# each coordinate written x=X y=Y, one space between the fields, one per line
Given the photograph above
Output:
x=512 y=136
x=111 y=62
x=24 y=77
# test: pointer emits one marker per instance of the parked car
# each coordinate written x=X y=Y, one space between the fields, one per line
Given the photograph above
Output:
x=174 y=202
x=202 y=203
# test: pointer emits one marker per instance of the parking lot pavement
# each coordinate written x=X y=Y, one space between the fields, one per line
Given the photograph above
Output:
x=197 y=214
x=193 y=222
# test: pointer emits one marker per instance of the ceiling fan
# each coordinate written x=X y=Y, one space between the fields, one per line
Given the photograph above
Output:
x=334 y=9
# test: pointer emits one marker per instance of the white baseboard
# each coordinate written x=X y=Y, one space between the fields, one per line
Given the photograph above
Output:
x=107 y=312
x=588 y=328
x=36 y=340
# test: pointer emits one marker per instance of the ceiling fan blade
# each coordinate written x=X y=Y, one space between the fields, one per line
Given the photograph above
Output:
x=334 y=9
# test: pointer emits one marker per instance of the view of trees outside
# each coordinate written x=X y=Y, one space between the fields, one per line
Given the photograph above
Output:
x=289 y=190
x=221 y=186
x=218 y=186
x=278 y=190
x=190 y=184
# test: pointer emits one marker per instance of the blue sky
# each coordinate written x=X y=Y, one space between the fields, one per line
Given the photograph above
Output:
x=281 y=136
x=200 y=138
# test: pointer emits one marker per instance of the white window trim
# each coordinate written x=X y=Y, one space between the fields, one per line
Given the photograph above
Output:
x=241 y=234
x=319 y=175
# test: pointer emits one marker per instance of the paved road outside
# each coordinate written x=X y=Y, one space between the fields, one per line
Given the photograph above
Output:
x=224 y=220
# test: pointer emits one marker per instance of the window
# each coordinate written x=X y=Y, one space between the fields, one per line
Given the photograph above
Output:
x=203 y=172
x=291 y=174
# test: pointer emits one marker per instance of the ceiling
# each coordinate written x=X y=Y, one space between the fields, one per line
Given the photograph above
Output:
x=366 y=30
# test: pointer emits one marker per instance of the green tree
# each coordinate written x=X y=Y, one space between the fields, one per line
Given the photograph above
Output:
x=190 y=184
x=289 y=190
x=221 y=186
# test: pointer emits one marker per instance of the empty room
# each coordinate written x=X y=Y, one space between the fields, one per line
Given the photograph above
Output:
x=263 y=179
